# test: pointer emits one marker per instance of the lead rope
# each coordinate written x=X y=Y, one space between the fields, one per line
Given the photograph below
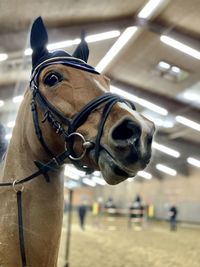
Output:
x=18 y=192
x=20 y=228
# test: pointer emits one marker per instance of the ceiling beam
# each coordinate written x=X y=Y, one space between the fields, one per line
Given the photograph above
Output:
x=73 y=30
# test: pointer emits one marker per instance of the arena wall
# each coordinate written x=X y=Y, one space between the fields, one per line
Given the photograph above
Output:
x=179 y=190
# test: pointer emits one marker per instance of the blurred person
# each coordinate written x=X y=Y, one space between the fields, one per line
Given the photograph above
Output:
x=82 y=211
x=110 y=204
x=173 y=212
x=136 y=213
x=110 y=208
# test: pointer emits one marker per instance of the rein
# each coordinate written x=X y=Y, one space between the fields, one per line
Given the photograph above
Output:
x=59 y=122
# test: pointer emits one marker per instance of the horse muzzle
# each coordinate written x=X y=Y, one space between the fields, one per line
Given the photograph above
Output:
x=127 y=150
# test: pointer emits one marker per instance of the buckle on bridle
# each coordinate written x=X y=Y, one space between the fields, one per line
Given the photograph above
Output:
x=85 y=145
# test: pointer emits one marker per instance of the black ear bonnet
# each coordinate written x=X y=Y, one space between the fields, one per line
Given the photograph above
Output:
x=41 y=57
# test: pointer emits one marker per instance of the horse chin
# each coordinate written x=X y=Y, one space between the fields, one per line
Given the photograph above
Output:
x=112 y=171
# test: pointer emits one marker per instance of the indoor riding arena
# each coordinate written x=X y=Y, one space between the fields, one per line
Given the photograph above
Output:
x=100 y=133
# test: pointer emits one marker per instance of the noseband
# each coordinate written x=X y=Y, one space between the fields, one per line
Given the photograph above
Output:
x=59 y=122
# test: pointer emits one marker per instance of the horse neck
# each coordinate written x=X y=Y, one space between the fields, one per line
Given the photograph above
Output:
x=24 y=146
x=42 y=201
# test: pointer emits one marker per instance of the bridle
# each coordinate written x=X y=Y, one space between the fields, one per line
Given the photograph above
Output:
x=59 y=122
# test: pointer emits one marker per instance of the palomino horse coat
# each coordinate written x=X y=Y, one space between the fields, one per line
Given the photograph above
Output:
x=115 y=139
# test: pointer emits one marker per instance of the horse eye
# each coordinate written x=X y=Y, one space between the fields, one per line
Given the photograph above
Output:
x=53 y=78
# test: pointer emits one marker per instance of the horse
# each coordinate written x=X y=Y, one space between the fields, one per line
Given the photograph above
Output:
x=67 y=116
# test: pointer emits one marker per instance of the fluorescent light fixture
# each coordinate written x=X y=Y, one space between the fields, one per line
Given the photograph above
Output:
x=152 y=106
x=18 y=99
x=71 y=169
x=98 y=180
x=63 y=44
x=102 y=36
x=72 y=175
x=28 y=52
x=3 y=56
x=175 y=69
x=89 y=39
x=191 y=96
x=118 y=45
x=166 y=150
x=11 y=124
x=189 y=123
x=71 y=184
x=96 y=173
x=180 y=46
x=149 y=9
x=166 y=122
x=164 y=65
x=157 y=121
x=145 y=175
x=123 y=93
x=8 y=136
x=89 y=182
x=1 y=103
x=194 y=162
x=166 y=169
x=140 y=101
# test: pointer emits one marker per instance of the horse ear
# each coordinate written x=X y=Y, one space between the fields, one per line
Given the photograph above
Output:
x=38 y=40
x=82 y=50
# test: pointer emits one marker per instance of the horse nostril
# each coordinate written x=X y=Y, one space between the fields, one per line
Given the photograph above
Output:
x=127 y=129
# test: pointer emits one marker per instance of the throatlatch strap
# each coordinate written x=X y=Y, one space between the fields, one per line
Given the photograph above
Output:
x=20 y=228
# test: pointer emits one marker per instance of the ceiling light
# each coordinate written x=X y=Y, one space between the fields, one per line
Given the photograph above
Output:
x=71 y=169
x=71 y=184
x=99 y=180
x=11 y=124
x=166 y=150
x=180 y=46
x=191 y=96
x=72 y=175
x=152 y=106
x=63 y=44
x=194 y=162
x=175 y=69
x=1 y=103
x=28 y=52
x=18 y=99
x=170 y=72
x=139 y=101
x=166 y=169
x=189 y=123
x=123 y=93
x=102 y=36
x=89 y=182
x=3 y=56
x=8 y=136
x=164 y=65
x=118 y=45
x=156 y=121
x=144 y=174
x=96 y=173
x=149 y=9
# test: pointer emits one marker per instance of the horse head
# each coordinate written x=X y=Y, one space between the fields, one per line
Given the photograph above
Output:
x=74 y=111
